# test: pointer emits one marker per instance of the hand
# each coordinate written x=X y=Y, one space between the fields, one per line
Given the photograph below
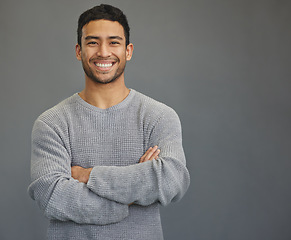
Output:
x=81 y=174
x=151 y=154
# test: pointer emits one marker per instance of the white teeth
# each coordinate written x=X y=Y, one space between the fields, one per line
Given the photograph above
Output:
x=103 y=65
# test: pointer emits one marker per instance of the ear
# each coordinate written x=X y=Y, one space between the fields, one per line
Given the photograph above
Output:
x=78 y=52
x=129 y=51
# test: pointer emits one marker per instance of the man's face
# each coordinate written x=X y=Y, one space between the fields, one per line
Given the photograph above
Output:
x=104 y=52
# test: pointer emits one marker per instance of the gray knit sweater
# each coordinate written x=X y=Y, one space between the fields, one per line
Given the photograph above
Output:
x=111 y=141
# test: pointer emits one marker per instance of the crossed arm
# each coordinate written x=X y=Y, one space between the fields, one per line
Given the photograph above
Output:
x=82 y=174
x=58 y=195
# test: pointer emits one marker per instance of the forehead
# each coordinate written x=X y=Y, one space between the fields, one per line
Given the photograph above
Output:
x=103 y=28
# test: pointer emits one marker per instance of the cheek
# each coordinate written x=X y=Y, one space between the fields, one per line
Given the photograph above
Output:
x=87 y=53
x=120 y=53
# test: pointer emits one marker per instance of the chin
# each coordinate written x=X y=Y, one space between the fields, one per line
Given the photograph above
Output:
x=104 y=81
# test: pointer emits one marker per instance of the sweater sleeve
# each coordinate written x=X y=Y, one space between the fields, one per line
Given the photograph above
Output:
x=58 y=195
x=163 y=180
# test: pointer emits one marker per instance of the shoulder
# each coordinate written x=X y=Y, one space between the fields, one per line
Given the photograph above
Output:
x=58 y=113
x=153 y=108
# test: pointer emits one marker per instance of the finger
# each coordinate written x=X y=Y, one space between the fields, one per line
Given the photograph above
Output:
x=155 y=154
x=142 y=159
x=151 y=152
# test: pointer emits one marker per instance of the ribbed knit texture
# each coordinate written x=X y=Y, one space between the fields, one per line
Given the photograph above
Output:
x=111 y=141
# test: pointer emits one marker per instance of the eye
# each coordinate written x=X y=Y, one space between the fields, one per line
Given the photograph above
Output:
x=114 y=43
x=92 y=43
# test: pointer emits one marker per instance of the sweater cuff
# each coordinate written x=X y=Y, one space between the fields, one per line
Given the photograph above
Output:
x=93 y=184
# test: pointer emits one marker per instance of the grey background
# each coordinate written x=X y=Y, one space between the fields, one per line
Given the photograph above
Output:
x=224 y=66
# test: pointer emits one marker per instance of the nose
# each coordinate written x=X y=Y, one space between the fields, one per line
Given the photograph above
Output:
x=103 y=50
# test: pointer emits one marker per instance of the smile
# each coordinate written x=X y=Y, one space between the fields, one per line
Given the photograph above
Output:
x=104 y=65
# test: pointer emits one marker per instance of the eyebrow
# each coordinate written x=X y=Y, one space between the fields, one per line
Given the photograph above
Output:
x=96 y=37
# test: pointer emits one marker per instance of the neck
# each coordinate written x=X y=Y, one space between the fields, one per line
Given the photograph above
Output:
x=104 y=95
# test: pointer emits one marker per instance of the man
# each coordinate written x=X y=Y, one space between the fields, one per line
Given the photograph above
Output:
x=105 y=158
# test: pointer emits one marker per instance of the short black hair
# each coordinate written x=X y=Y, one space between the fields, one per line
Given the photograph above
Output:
x=106 y=12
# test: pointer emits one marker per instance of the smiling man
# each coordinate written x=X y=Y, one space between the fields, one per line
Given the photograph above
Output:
x=104 y=159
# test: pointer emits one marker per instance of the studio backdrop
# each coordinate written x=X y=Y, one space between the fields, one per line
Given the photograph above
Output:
x=224 y=66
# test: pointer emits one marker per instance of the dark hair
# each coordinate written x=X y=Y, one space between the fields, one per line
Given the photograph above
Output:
x=106 y=12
